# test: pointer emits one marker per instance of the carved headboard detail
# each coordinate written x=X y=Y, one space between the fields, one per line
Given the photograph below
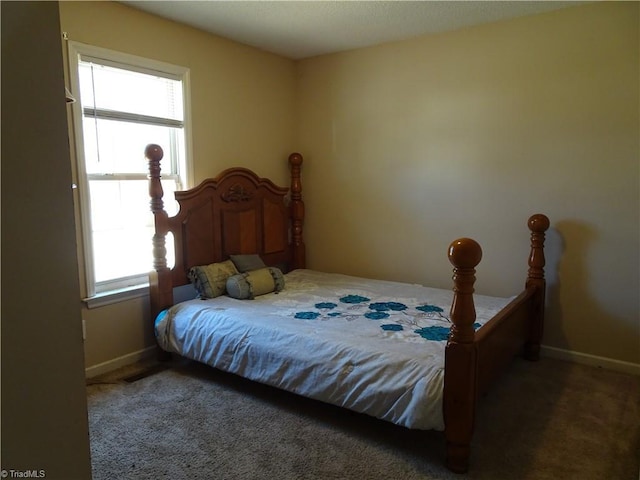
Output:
x=236 y=193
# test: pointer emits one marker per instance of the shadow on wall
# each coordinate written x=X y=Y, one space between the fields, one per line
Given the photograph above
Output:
x=554 y=319
x=573 y=312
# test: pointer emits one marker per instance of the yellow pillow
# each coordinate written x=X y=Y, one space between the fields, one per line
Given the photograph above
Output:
x=210 y=280
x=251 y=284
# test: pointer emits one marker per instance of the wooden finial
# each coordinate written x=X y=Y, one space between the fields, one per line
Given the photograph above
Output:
x=295 y=159
x=154 y=154
x=538 y=224
x=464 y=254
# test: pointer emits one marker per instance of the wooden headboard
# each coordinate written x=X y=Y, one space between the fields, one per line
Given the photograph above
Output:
x=237 y=212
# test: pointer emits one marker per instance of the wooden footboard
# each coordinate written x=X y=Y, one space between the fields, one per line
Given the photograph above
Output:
x=473 y=361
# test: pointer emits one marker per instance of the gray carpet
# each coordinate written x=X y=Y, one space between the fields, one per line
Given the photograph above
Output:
x=544 y=420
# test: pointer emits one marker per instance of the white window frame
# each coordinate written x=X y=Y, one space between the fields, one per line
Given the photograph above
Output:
x=137 y=285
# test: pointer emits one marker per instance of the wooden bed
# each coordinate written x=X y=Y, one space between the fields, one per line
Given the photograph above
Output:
x=239 y=213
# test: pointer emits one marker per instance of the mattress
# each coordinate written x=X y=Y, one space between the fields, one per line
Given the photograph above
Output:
x=372 y=346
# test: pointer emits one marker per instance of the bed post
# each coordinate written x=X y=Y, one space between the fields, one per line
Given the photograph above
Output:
x=160 y=287
x=460 y=379
x=538 y=224
x=297 y=213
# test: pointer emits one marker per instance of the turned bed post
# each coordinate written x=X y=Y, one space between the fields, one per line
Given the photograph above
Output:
x=297 y=213
x=160 y=287
x=460 y=381
x=538 y=224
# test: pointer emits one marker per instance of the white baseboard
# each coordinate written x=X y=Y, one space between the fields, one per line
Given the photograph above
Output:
x=546 y=351
x=116 y=363
x=591 y=360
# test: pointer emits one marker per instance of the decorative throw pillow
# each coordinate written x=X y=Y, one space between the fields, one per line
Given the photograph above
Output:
x=246 y=263
x=211 y=280
x=251 y=284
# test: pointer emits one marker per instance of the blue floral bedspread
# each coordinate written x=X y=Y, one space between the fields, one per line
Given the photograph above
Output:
x=405 y=317
x=372 y=346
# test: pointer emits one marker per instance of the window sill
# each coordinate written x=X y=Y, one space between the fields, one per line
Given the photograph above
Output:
x=115 y=296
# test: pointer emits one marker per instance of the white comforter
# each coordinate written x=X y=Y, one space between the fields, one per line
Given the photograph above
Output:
x=372 y=346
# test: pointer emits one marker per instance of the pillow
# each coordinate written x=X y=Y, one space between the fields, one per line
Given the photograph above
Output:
x=210 y=280
x=251 y=284
x=246 y=263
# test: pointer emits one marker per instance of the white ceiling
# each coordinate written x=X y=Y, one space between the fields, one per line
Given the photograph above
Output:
x=301 y=29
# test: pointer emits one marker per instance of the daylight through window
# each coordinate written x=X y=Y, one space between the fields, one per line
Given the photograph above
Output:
x=124 y=106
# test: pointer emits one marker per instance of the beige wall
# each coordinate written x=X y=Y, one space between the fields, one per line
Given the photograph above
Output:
x=242 y=103
x=44 y=406
x=410 y=145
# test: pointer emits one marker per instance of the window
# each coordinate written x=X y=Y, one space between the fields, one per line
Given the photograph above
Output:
x=123 y=104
